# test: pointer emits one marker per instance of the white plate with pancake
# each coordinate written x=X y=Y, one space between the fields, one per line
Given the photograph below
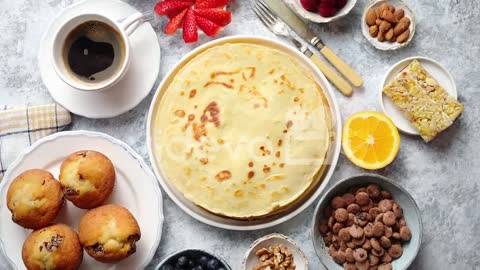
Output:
x=135 y=189
x=244 y=133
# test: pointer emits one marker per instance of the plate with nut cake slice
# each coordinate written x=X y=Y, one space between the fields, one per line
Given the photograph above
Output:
x=419 y=95
x=135 y=196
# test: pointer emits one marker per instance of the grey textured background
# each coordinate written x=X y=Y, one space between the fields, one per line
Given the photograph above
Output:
x=443 y=176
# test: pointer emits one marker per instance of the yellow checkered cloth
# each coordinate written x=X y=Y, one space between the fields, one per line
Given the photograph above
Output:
x=21 y=126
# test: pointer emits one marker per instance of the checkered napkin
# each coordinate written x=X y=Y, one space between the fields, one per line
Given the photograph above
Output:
x=21 y=126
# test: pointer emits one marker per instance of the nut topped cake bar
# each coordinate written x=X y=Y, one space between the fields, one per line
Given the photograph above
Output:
x=423 y=101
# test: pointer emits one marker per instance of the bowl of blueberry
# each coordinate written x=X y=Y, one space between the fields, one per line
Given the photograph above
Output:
x=193 y=259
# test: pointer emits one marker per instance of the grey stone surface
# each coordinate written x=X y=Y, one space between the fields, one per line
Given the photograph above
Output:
x=443 y=176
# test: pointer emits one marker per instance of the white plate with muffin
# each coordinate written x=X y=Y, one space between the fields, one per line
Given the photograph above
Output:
x=79 y=191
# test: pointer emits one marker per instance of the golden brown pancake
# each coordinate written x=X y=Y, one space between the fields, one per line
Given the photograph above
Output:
x=242 y=130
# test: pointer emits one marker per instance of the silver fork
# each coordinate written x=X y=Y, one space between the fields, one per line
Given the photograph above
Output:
x=147 y=16
x=271 y=20
x=277 y=26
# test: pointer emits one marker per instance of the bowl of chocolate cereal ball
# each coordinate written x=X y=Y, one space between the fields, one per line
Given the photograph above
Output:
x=367 y=222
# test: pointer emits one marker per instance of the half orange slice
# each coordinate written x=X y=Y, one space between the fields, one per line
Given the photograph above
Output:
x=370 y=140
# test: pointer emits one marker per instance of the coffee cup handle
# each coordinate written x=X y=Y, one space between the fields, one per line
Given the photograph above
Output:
x=131 y=23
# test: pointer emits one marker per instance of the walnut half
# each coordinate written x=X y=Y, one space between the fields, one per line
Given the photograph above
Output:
x=275 y=258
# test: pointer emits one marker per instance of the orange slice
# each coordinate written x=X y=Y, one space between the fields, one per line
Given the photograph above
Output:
x=370 y=140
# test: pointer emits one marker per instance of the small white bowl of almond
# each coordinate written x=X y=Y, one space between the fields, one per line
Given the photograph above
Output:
x=388 y=25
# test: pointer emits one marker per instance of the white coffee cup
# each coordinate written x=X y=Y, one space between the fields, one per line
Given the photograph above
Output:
x=124 y=29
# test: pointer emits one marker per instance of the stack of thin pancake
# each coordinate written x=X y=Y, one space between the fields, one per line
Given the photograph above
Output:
x=242 y=130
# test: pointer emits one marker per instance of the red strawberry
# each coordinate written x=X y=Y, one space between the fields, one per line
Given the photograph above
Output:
x=173 y=14
x=208 y=27
x=309 y=5
x=341 y=3
x=211 y=3
x=190 y=30
x=215 y=15
x=171 y=6
x=175 y=22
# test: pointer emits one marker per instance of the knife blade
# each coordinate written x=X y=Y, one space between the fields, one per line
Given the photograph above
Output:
x=302 y=29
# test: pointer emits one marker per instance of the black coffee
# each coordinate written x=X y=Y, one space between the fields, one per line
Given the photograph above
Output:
x=94 y=51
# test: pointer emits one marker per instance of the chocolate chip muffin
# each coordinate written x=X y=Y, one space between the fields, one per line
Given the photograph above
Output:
x=87 y=178
x=55 y=247
x=34 y=198
x=109 y=233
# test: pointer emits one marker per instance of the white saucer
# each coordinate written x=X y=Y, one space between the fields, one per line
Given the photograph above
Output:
x=136 y=189
x=126 y=94
x=435 y=69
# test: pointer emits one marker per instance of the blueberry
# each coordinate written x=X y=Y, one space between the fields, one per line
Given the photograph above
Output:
x=203 y=261
x=182 y=261
x=198 y=267
x=191 y=264
x=213 y=264
x=167 y=267
x=221 y=268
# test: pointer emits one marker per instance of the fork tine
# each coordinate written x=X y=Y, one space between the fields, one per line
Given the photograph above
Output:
x=262 y=18
x=261 y=13
x=267 y=22
x=266 y=10
x=264 y=13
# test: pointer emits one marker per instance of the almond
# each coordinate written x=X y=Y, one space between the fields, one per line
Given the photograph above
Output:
x=388 y=16
x=373 y=30
x=391 y=8
x=404 y=36
x=378 y=22
x=382 y=7
x=399 y=13
x=389 y=35
x=385 y=26
x=405 y=20
x=371 y=17
x=402 y=25
x=381 y=36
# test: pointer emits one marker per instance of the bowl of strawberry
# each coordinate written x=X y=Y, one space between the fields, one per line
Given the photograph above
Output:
x=321 y=11
x=194 y=16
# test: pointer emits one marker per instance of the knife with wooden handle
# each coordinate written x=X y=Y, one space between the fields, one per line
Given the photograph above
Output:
x=301 y=28
x=331 y=75
x=341 y=66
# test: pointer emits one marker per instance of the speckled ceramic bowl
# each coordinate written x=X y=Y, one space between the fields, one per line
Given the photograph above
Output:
x=400 y=195
x=274 y=239
x=190 y=252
